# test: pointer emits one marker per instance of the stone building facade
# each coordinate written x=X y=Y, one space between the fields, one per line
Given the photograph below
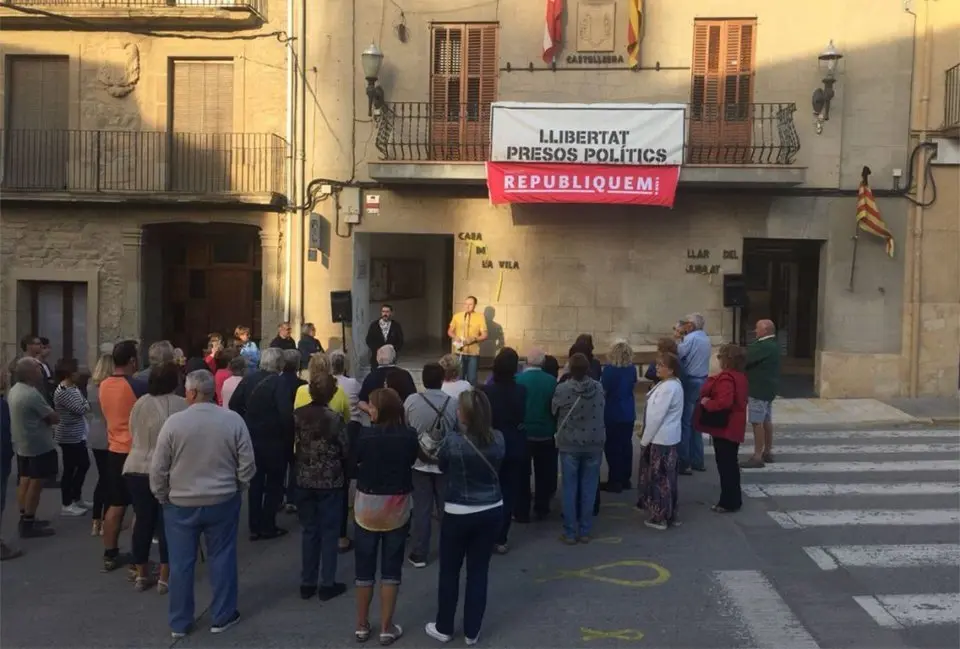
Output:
x=398 y=211
x=629 y=272
x=148 y=127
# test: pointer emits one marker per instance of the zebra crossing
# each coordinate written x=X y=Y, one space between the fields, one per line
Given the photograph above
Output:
x=827 y=485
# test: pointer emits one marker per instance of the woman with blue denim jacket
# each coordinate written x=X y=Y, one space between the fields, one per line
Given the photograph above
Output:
x=472 y=515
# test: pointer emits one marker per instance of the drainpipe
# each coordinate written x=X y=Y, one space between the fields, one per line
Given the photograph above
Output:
x=915 y=290
x=302 y=161
x=291 y=176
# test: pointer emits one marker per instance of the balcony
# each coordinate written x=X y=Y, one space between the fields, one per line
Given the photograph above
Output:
x=739 y=144
x=165 y=14
x=144 y=166
x=951 y=102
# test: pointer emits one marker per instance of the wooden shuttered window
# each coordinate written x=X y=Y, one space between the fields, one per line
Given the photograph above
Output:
x=721 y=93
x=38 y=143
x=201 y=125
x=463 y=83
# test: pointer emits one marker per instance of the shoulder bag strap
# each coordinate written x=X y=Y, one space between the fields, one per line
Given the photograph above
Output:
x=569 y=412
x=482 y=456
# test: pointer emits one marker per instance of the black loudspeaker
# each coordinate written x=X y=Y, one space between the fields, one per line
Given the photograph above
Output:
x=734 y=291
x=341 y=306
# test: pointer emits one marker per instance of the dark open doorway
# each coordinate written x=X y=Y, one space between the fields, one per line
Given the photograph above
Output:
x=782 y=278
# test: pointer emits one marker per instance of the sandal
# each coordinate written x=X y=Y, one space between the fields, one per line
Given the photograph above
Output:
x=162 y=587
x=387 y=638
x=362 y=634
x=144 y=583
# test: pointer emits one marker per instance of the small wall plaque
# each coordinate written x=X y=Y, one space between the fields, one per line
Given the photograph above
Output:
x=596 y=26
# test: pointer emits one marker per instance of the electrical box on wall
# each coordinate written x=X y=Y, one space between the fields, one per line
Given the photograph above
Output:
x=948 y=152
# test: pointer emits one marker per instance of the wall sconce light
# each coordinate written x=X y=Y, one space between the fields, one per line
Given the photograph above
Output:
x=371 y=59
x=829 y=59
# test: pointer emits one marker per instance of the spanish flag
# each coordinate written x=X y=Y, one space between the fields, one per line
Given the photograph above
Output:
x=868 y=215
x=634 y=31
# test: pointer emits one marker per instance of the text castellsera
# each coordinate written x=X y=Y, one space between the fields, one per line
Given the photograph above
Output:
x=586 y=146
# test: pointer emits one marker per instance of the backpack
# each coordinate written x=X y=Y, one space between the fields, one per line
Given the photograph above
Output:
x=430 y=441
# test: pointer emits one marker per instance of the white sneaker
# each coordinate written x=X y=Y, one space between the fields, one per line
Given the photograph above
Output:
x=72 y=510
x=431 y=630
x=472 y=641
x=86 y=504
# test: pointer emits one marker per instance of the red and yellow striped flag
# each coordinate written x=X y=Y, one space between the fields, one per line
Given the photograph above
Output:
x=634 y=31
x=868 y=215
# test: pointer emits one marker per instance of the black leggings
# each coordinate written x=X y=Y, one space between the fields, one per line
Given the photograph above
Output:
x=76 y=463
x=100 y=493
x=149 y=519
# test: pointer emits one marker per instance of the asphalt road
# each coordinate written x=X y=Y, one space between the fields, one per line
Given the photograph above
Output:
x=849 y=541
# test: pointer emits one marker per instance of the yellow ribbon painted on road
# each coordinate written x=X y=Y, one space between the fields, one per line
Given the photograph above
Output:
x=661 y=574
x=620 y=634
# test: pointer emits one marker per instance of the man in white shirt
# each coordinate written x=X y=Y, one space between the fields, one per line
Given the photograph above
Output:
x=433 y=414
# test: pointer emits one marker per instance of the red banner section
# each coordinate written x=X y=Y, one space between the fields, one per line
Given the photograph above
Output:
x=519 y=182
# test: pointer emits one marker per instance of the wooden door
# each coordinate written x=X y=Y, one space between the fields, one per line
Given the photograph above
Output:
x=721 y=94
x=463 y=84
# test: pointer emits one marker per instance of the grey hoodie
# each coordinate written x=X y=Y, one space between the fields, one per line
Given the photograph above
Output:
x=580 y=427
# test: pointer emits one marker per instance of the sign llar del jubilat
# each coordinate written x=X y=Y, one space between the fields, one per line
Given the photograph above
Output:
x=585 y=153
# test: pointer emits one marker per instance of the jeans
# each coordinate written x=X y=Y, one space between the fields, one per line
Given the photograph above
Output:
x=390 y=545
x=101 y=494
x=266 y=490
x=470 y=365
x=319 y=513
x=728 y=469
x=149 y=519
x=541 y=461
x=691 y=442
x=467 y=537
x=619 y=451
x=580 y=476
x=5 y=472
x=428 y=491
x=511 y=469
x=218 y=524
x=76 y=463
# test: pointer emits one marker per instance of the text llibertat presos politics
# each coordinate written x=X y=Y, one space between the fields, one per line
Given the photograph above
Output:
x=600 y=147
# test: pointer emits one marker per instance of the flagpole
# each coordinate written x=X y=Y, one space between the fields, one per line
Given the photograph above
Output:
x=856 y=228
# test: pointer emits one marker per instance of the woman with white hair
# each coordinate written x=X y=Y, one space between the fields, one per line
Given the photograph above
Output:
x=619 y=378
x=453 y=384
x=265 y=402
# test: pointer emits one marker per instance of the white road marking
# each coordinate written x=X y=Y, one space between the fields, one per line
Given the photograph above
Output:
x=859 y=467
x=838 y=517
x=857 y=489
x=762 y=612
x=900 y=611
x=866 y=449
x=926 y=433
x=884 y=556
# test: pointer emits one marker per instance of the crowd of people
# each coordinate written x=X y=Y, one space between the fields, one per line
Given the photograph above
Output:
x=185 y=437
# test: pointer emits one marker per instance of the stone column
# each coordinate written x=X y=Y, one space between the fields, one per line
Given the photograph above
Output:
x=131 y=305
x=271 y=270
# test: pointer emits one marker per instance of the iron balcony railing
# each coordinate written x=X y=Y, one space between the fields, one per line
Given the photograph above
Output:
x=744 y=134
x=951 y=98
x=142 y=162
x=254 y=5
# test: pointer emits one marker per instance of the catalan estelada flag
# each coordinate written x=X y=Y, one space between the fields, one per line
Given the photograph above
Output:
x=868 y=214
x=634 y=31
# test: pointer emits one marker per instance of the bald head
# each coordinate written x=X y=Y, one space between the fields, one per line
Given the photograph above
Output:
x=765 y=328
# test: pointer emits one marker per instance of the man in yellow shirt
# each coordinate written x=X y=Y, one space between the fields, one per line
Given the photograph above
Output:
x=467 y=330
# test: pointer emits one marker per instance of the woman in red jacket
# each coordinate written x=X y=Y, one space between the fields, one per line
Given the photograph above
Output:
x=722 y=414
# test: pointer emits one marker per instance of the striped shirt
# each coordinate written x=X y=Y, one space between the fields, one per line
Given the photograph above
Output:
x=71 y=406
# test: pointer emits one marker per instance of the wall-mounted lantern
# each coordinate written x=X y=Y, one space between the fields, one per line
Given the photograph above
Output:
x=371 y=59
x=829 y=59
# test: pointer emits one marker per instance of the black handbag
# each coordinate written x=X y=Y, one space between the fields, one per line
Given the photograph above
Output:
x=717 y=418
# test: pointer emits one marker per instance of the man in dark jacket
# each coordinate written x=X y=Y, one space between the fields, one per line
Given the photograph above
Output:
x=264 y=400
x=763 y=379
x=284 y=339
x=308 y=345
x=386 y=375
x=385 y=331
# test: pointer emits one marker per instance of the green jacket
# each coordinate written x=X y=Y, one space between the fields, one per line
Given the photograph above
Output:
x=763 y=368
x=538 y=422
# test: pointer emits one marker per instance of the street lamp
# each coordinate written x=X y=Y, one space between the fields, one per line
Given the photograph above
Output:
x=371 y=59
x=829 y=59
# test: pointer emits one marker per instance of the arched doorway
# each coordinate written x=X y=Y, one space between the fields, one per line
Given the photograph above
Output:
x=207 y=277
